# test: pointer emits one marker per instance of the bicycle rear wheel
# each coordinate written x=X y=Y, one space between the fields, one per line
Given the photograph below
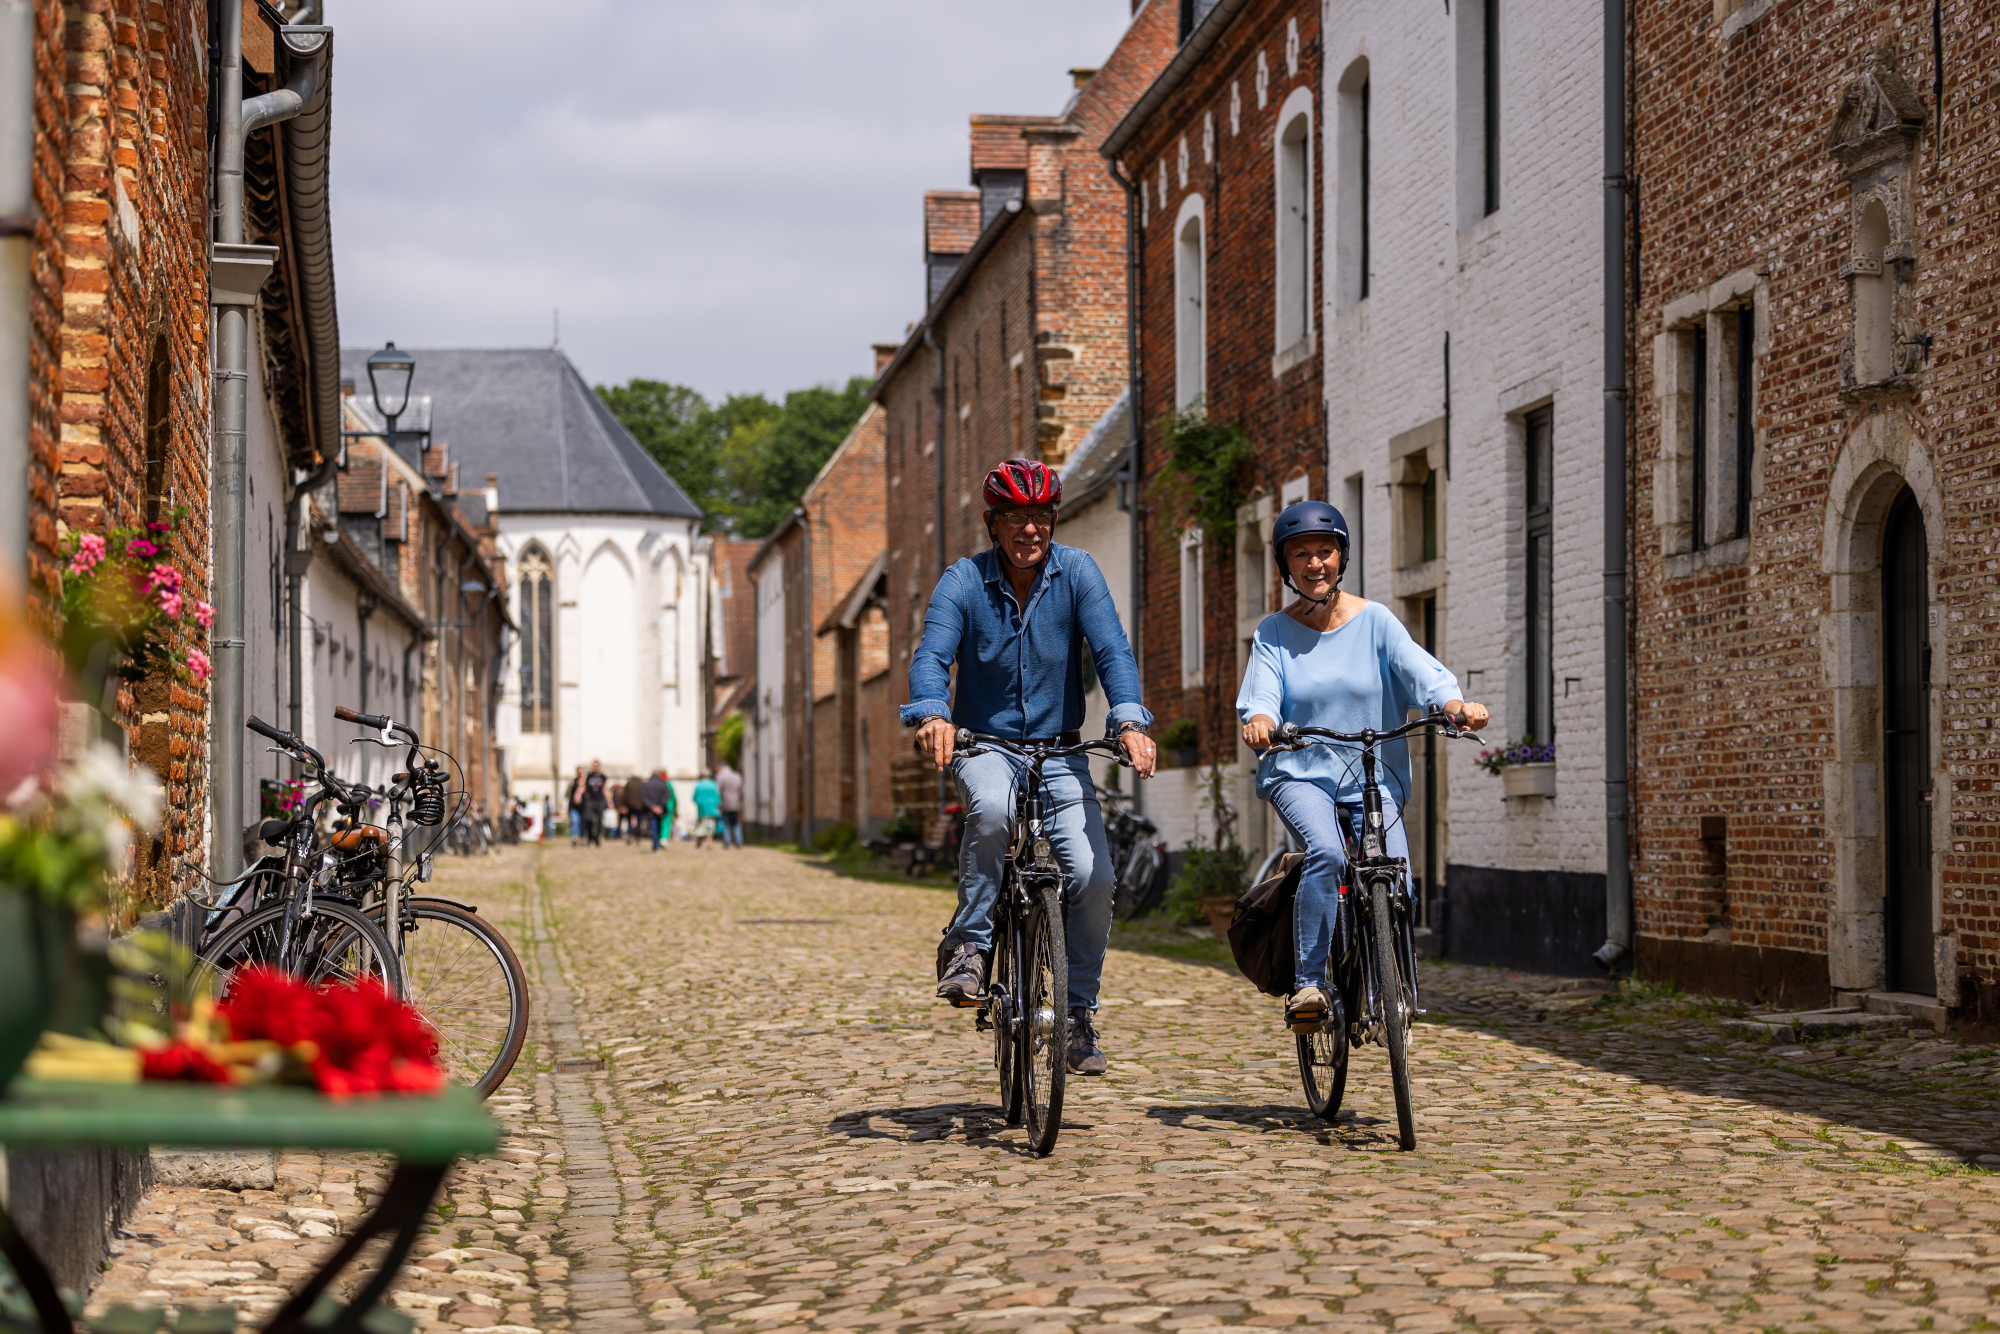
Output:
x=1044 y=1038
x=1396 y=1009
x=464 y=979
x=1138 y=889
x=1323 y=1062
x=338 y=943
x=1004 y=1011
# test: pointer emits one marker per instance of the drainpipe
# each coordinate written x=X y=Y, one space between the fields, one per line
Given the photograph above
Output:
x=937 y=431
x=17 y=241
x=236 y=272
x=363 y=612
x=1617 y=843
x=1136 y=450
x=812 y=644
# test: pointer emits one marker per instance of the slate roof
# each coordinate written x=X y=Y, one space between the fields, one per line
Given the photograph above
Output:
x=526 y=415
x=1094 y=463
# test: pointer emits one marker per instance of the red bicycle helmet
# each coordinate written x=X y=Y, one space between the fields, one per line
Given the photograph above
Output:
x=1022 y=482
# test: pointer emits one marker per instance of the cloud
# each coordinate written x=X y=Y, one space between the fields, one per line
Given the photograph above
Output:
x=726 y=195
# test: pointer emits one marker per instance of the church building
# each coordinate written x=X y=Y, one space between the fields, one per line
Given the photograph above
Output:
x=609 y=578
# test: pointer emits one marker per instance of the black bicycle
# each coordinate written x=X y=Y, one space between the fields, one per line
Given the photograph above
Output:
x=1372 y=964
x=1024 y=1002
x=1137 y=853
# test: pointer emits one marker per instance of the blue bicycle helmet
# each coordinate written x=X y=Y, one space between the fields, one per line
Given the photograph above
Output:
x=1308 y=517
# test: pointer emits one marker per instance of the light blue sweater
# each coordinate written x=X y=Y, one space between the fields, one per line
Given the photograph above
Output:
x=1366 y=673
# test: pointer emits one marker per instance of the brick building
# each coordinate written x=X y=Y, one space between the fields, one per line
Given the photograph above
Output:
x=1814 y=434
x=1022 y=347
x=732 y=630
x=806 y=750
x=1223 y=151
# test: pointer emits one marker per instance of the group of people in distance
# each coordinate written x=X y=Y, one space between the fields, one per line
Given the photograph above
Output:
x=1017 y=619
x=647 y=808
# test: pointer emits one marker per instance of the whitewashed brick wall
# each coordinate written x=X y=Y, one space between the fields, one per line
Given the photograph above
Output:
x=1520 y=294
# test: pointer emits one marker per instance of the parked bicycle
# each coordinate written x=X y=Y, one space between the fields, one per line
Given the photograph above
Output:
x=1024 y=1002
x=338 y=905
x=1372 y=966
x=1137 y=853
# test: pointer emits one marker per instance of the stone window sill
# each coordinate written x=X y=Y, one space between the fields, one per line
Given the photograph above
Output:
x=1297 y=354
x=1416 y=580
x=1736 y=551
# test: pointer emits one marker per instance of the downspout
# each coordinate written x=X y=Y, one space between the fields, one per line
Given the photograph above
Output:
x=812 y=645
x=237 y=271
x=363 y=612
x=1617 y=840
x=937 y=443
x=17 y=242
x=1135 y=451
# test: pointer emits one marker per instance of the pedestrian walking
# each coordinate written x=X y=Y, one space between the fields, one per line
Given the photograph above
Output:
x=632 y=807
x=729 y=784
x=657 y=797
x=577 y=789
x=707 y=805
x=596 y=800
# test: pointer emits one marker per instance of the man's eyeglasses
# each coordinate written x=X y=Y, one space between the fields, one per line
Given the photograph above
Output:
x=1044 y=518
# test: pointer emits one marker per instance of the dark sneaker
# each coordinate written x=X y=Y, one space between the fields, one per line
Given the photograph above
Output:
x=1306 y=1010
x=960 y=974
x=1085 y=1056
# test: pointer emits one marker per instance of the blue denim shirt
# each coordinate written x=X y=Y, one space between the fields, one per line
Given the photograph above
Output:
x=1021 y=675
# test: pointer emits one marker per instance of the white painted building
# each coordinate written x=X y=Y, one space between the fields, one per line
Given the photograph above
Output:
x=1464 y=184
x=608 y=571
x=764 y=759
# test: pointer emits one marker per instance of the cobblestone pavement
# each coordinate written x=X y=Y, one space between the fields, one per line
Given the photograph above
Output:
x=788 y=1134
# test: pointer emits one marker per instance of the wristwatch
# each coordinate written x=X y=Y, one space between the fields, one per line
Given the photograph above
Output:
x=1125 y=727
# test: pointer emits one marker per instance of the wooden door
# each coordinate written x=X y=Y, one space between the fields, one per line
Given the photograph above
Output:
x=1906 y=749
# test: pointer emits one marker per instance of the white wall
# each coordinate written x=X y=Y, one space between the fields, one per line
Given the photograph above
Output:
x=629 y=629
x=1519 y=292
x=763 y=738
x=1105 y=531
x=265 y=663
x=334 y=666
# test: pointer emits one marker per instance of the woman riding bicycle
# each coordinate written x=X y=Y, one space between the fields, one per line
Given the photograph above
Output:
x=1334 y=660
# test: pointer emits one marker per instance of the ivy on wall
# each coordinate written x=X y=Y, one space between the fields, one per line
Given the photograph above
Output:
x=1202 y=482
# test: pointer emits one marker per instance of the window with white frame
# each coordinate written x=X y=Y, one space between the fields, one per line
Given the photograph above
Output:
x=1294 y=215
x=1192 y=602
x=1190 y=304
x=1351 y=188
x=1705 y=373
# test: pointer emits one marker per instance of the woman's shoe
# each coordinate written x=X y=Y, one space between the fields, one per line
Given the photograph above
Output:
x=1306 y=1010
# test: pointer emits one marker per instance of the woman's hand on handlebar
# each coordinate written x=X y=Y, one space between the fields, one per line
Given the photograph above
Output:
x=1471 y=717
x=1257 y=733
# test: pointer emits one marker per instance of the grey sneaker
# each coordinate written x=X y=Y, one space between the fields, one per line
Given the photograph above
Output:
x=1306 y=1010
x=1085 y=1056
x=960 y=974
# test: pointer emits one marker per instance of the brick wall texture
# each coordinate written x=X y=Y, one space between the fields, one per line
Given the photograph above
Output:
x=119 y=354
x=1757 y=672
x=1029 y=354
x=1221 y=122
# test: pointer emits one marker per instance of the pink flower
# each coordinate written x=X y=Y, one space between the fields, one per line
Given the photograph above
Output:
x=170 y=602
x=159 y=528
x=89 y=551
x=198 y=664
x=141 y=548
x=164 y=576
x=204 y=614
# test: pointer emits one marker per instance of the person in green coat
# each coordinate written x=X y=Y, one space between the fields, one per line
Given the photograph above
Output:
x=707 y=806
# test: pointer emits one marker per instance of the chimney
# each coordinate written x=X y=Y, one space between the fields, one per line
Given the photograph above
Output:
x=884 y=354
x=492 y=496
x=1079 y=77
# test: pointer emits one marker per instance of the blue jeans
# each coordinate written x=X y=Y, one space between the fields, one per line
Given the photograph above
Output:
x=1319 y=824
x=575 y=822
x=730 y=829
x=1074 y=824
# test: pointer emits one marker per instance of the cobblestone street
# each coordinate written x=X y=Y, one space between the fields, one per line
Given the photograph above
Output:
x=788 y=1133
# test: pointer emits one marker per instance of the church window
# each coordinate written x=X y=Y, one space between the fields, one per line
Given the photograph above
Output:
x=537 y=617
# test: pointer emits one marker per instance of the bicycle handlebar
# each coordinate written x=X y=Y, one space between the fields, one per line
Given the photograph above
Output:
x=969 y=742
x=1292 y=736
x=380 y=722
x=285 y=741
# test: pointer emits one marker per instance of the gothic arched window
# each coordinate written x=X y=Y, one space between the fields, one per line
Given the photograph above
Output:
x=537 y=614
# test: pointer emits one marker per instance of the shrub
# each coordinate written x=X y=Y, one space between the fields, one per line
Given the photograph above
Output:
x=903 y=828
x=729 y=740
x=1180 y=734
x=1207 y=872
x=835 y=838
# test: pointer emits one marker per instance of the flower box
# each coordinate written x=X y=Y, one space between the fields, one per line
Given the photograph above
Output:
x=1530 y=780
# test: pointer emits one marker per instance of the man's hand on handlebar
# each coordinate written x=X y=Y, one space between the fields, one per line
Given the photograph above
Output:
x=936 y=740
x=1141 y=750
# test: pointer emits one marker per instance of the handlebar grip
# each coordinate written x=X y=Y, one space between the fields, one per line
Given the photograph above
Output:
x=377 y=721
x=264 y=729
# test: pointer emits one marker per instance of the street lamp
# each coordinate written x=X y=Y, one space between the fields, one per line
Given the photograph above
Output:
x=389 y=375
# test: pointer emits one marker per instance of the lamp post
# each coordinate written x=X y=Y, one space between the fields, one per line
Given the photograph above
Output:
x=389 y=374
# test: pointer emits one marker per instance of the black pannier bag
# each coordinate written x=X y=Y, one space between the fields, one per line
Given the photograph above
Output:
x=1260 y=933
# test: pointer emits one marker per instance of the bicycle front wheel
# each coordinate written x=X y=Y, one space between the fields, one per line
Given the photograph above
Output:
x=337 y=943
x=1004 y=1013
x=464 y=979
x=1044 y=1038
x=1396 y=1009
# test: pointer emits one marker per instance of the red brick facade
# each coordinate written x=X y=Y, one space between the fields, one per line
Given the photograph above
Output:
x=1027 y=349
x=1762 y=852
x=1212 y=145
x=119 y=357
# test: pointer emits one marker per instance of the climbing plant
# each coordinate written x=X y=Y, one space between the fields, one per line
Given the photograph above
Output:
x=1203 y=477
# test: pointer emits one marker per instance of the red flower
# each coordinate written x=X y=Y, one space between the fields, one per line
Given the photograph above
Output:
x=183 y=1061
x=364 y=1039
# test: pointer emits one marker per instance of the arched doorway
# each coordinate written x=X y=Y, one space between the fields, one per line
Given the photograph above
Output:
x=1906 y=749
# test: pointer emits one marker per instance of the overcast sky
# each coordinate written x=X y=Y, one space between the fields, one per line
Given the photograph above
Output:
x=723 y=194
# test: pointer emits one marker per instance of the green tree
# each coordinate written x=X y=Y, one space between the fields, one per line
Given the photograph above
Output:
x=790 y=448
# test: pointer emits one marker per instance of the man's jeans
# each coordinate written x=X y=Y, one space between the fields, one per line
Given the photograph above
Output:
x=1318 y=824
x=1075 y=826
x=730 y=830
x=660 y=826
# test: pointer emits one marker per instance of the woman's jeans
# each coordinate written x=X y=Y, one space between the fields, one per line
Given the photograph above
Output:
x=1075 y=825
x=575 y=823
x=1319 y=824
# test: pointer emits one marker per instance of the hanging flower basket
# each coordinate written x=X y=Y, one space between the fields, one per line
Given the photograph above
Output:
x=1530 y=780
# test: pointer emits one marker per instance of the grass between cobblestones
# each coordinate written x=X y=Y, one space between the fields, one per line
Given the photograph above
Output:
x=789 y=1136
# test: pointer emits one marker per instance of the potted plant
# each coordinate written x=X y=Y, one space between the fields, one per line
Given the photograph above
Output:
x=1211 y=878
x=1180 y=740
x=122 y=605
x=1527 y=768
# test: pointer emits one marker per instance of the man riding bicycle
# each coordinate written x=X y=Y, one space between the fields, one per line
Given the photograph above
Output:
x=1333 y=660
x=1017 y=619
